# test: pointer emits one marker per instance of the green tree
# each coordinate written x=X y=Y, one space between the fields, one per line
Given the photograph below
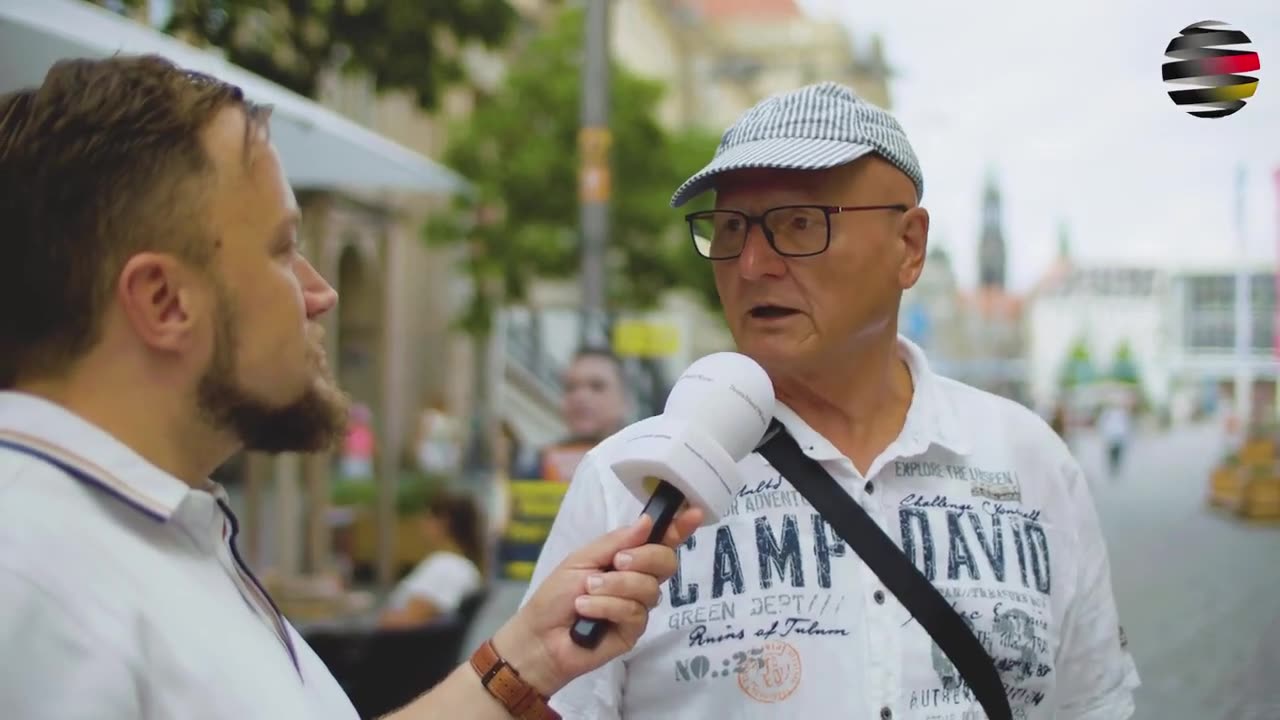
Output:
x=519 y=148
x=1124 y=368
x=410 y=45
x=1079 y=368
x=691 y=150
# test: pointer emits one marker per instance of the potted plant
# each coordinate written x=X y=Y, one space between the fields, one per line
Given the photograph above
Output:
x=1226 y=484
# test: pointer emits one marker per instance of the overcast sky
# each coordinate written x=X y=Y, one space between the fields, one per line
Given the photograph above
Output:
x=1066 y=103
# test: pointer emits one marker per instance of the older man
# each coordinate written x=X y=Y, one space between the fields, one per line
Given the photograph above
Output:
x=817 y=231
x=156 y=315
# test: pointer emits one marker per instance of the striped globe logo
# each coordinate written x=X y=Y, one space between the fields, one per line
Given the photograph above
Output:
x=1201 y=58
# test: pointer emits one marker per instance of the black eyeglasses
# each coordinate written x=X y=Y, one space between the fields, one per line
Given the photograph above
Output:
x=792 y=230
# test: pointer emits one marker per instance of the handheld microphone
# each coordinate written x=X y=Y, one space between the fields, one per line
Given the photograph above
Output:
x=717 y=411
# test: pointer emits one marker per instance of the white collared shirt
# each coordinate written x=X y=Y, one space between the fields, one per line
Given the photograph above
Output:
x=771 y=616
x=121 y=594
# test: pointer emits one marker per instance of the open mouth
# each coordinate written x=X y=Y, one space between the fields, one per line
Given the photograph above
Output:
x=771 y=312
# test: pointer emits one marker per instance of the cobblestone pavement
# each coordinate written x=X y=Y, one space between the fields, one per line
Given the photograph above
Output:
x=1198 y=590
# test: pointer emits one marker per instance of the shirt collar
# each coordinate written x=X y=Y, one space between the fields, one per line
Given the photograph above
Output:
x=931 y=420
x=89 y=454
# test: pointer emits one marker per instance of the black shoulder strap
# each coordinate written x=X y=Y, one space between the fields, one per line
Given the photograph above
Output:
x=894 y=569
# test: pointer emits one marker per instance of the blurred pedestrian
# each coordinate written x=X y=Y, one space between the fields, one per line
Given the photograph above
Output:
x=1059 y=420
x=358 y=445
x=438 y=440
x=1115 y=424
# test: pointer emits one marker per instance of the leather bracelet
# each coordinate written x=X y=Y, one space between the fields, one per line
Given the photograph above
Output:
x=505 y=684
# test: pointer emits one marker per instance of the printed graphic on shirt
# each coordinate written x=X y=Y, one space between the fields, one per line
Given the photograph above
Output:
x=765 y=580
x=775 y=674
x=960 y=536
x=999 y=485
x=753 y=593
x=767 y=672
x=993 y=561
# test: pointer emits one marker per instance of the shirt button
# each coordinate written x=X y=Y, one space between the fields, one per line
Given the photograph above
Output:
x=885 y=713
x=869 y=487
x=879 y=597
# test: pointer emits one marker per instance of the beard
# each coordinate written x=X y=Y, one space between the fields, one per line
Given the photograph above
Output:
x=314 y=421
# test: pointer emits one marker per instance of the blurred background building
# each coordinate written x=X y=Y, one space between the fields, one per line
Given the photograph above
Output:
x=973 y=332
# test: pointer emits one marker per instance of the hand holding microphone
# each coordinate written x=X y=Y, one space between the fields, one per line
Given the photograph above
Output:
x=537 y=643
x=716 y=414
x=717 y=411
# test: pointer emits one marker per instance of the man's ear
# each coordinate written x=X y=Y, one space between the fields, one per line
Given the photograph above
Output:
x=159 y=298
x=913 y=233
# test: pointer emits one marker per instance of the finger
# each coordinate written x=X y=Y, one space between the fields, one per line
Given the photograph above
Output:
x=684 y=525
x=600 y=553
x=635 y=586
x=658 y=561
x=619 y=611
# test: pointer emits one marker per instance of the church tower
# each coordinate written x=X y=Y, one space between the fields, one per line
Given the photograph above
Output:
x=991 y=246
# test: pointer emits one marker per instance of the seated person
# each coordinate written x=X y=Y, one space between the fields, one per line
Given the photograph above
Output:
x=451 y=570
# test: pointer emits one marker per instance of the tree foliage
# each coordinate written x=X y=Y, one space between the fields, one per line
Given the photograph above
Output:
x=1124 y=368
x=410 y=45
x=520 y=148
x=1079 y=368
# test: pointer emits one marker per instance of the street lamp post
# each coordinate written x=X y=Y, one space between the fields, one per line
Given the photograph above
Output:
x=1244 y=315
x=594 y=173
x=1275 y=310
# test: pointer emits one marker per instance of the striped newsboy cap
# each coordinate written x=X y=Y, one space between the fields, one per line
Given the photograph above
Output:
x=813 y=128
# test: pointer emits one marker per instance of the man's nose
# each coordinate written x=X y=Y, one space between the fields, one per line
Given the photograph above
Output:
x=758 y=258
x=318 y=295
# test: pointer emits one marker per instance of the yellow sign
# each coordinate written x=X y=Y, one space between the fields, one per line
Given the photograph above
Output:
x=537 y=498
x=534 y=504
x=594 y=184
x=637 y=338
x=593 y=143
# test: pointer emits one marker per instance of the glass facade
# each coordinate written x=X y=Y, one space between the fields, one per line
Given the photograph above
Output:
x=1208 y=311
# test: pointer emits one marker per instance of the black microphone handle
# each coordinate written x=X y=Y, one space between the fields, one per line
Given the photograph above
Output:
x=662 y=507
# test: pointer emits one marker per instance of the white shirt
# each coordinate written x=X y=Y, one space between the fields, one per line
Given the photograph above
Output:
x=443 y=578
x=771 y=616
x=121 y=596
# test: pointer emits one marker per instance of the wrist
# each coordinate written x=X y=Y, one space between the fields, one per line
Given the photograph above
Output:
x=527 y=655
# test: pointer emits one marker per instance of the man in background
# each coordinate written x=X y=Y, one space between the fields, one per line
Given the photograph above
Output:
x=594 y=406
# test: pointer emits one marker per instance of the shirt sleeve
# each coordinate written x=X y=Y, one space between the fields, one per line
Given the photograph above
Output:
x=444 y=579
x=584 y=515
x=54 y=665
x=1097 y=675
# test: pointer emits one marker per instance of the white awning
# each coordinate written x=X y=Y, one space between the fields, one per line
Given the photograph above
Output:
x=320 y=148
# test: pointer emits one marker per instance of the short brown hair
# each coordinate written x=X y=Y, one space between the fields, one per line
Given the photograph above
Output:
x=102 y=161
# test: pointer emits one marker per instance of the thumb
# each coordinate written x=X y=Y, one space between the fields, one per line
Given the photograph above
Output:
x=599 y=553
